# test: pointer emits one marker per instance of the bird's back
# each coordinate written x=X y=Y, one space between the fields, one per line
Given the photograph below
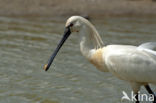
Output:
x=130 y=63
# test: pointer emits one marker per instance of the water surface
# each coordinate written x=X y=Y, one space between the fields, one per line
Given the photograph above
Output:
x=27 y=42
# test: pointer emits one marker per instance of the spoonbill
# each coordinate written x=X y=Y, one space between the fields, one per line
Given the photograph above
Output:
x=137 y=65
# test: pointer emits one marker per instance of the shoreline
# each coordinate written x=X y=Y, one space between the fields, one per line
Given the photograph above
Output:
x=91 y=8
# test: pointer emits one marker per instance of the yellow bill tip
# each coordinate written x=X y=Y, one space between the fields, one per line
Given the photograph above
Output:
x=45 y=66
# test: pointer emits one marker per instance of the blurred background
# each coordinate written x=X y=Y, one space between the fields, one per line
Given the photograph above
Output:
x=30 y=31
x=77 y=7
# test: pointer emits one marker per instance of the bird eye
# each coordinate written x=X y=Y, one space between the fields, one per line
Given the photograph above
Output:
x=71 y=24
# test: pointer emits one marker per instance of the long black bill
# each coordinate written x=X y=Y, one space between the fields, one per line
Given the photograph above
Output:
x=67 y=32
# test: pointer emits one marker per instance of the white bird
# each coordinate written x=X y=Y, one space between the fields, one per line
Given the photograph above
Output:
x=137 y=65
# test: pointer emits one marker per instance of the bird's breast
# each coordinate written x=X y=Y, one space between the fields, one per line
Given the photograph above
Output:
x=97 y=60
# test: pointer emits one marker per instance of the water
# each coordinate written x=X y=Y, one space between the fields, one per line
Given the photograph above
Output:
x=27 y=42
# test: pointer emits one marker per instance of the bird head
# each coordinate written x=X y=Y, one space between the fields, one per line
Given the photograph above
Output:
x=73 y=24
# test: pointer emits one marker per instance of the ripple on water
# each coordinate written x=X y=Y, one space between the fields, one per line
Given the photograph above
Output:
x=26 y=44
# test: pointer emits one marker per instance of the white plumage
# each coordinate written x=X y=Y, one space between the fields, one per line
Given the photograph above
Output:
x=137 y=65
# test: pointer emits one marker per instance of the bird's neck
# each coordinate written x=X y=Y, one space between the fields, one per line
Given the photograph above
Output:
x=85 y=47
x=90 y=40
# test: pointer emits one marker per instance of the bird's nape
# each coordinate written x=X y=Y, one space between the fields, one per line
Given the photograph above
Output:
x=67 y=32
